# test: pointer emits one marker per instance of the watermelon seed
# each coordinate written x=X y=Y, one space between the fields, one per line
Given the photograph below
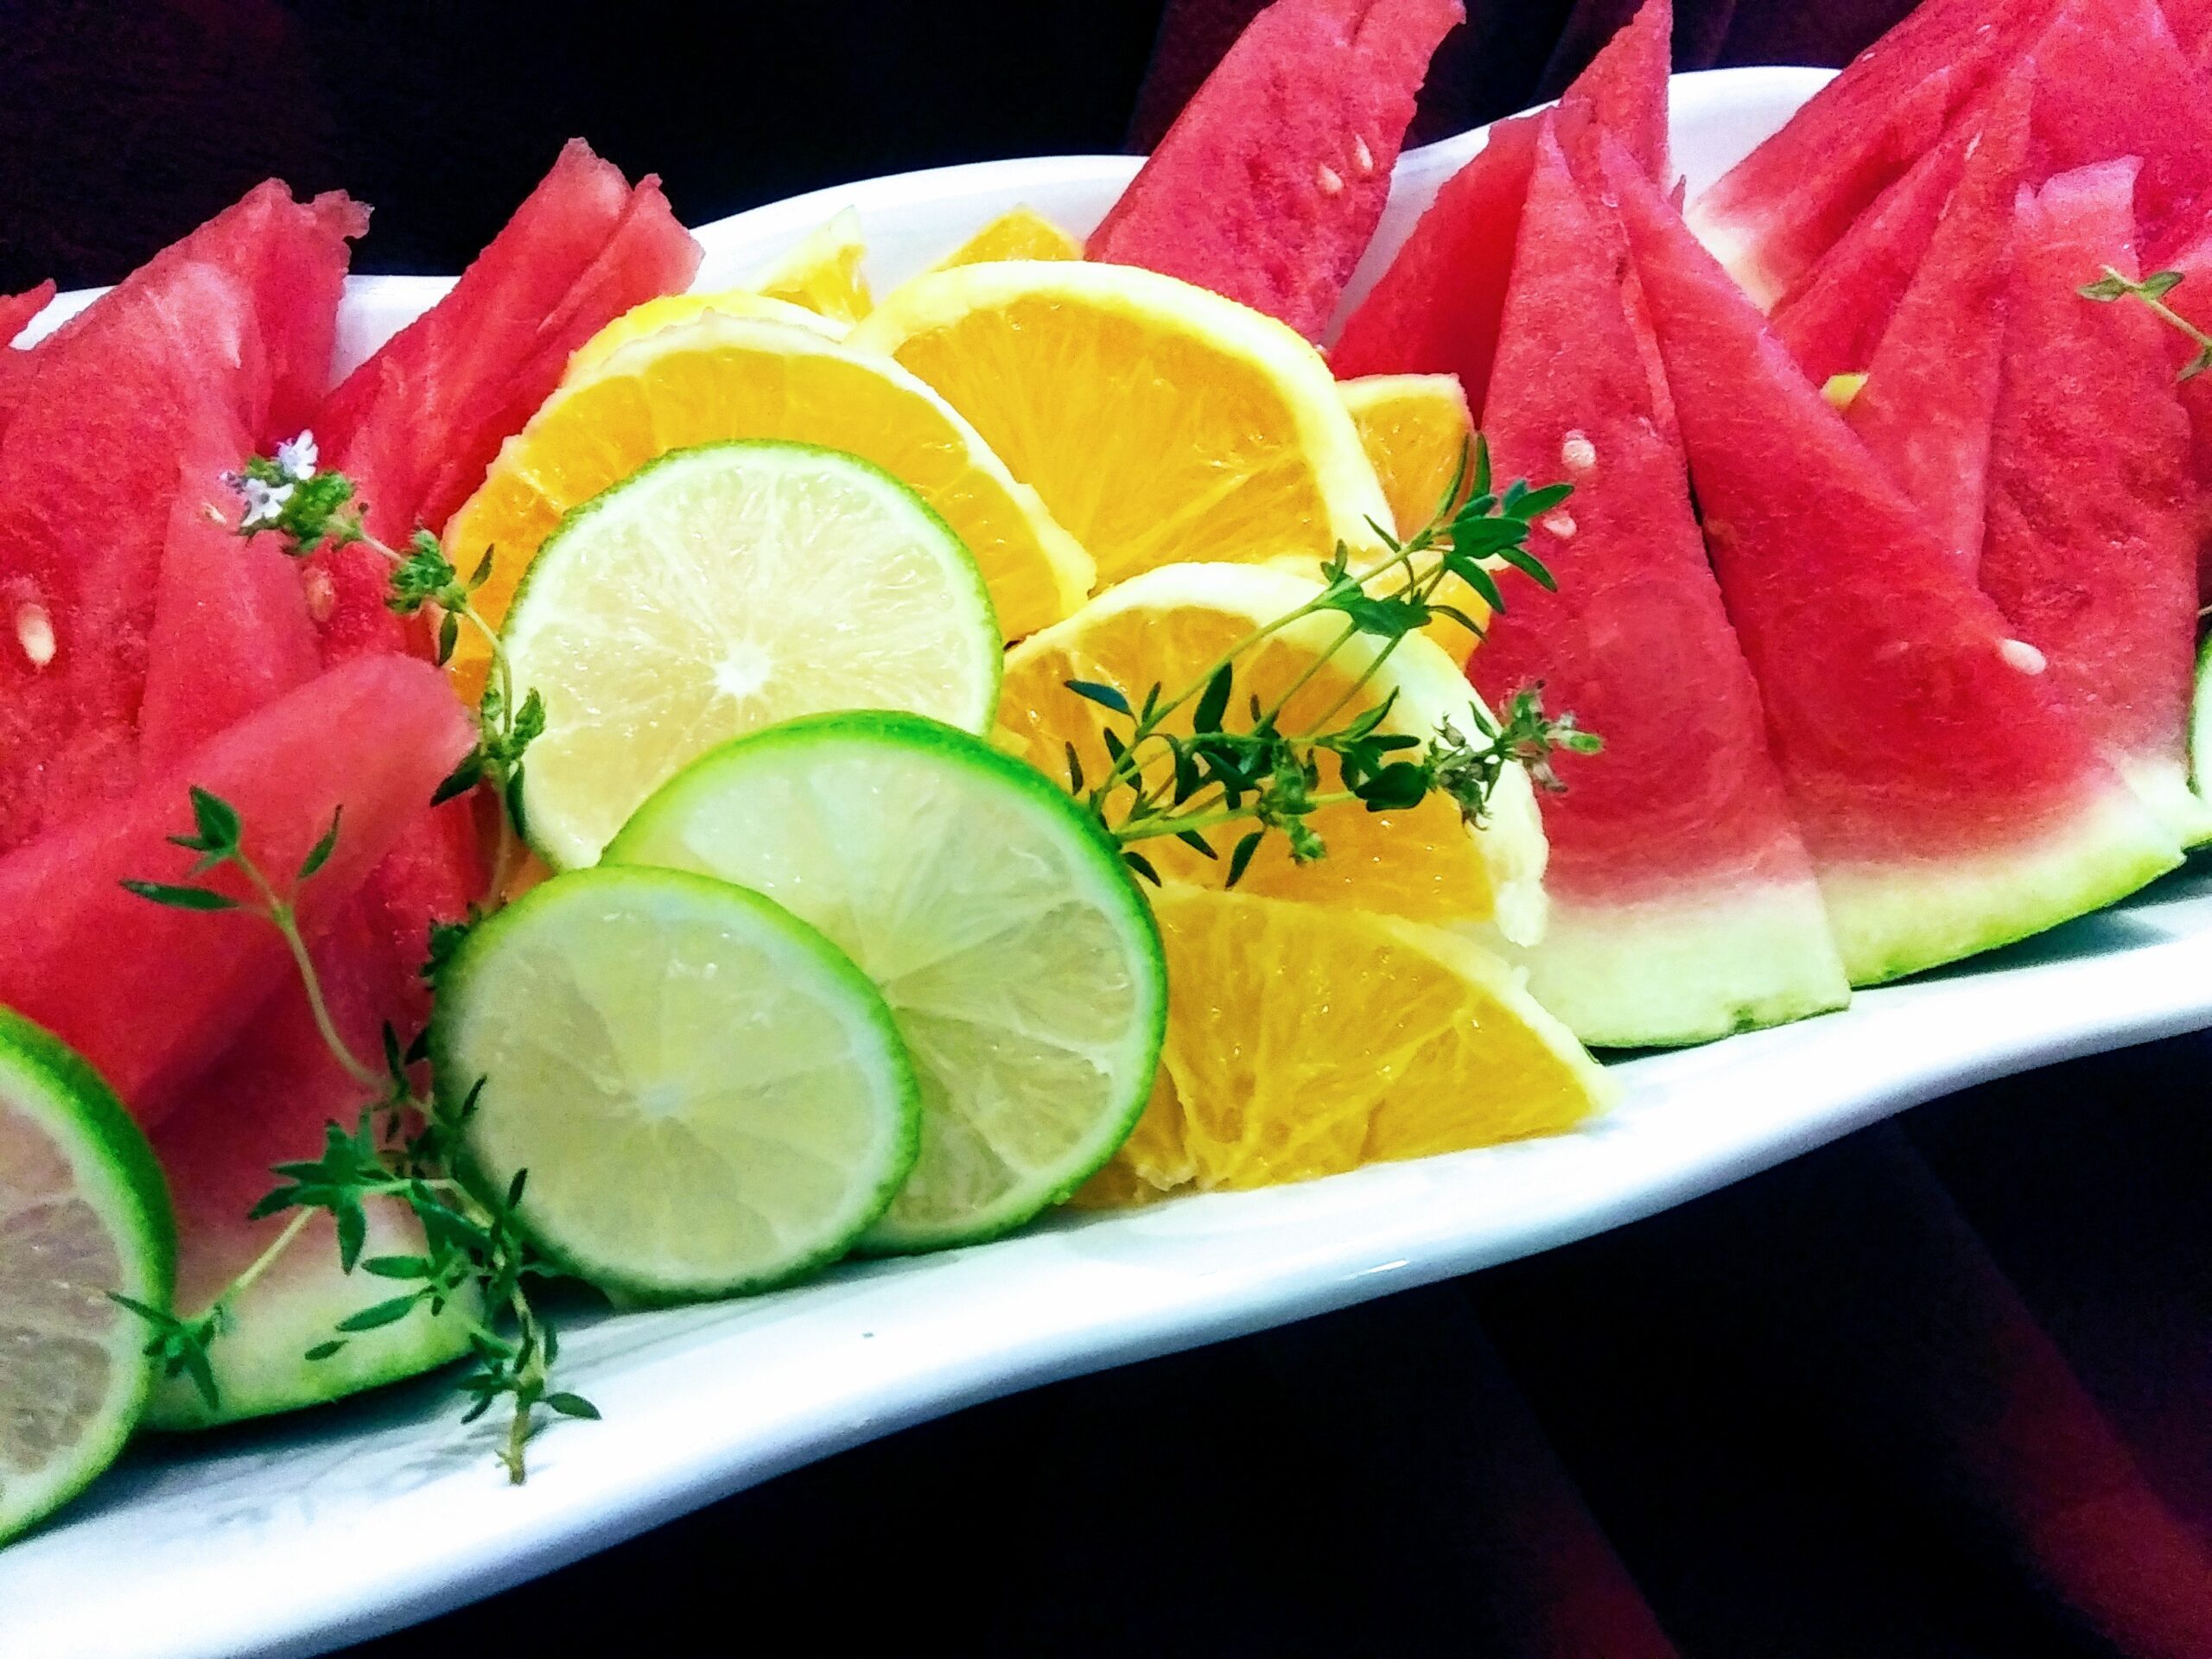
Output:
x=322 y=597
x=34 y=632
x=1561 y=525
x=2019 y=653
x=1576 y=452
x=1363 y=157
x=1331 y=181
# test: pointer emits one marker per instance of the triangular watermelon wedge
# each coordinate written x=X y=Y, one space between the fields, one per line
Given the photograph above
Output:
x=417 y=423
x=1773 y=215
x=151 y=995
x=1269 y=185
x=1832 y=319
x=264 y=1103
x=115 y=402
x=1931 y=383
x=2093 y=513
x=198 y=345
x=1948 y=801
x=231 y=632
x=1436 y=310
x=2111 y=82
x=1683 y=905
x=17 y=311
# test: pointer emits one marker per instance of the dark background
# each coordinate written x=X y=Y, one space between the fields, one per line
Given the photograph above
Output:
x=1939 y=1390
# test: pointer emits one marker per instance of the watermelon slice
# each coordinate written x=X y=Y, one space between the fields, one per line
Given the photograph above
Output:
x=1773 y=215
x=230 y=631
x=1683 y=905
x=2093 y=513
x=1436 y=309
x=151 y=994
x=417 y=423
x=1270 y=183
x=266 y=1104
x=17 y=311
x=2193 y=300
x=118 y=398
x=1833 y=319
x=1931 y=383
x=2111 y=82
x=2191 y=24
x=1948 y=801
x=198 y=346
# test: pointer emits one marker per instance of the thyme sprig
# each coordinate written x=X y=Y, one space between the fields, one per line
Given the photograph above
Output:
x=310 y=508
x=1161 y=780
x=402 y=1147
x=2151 y=292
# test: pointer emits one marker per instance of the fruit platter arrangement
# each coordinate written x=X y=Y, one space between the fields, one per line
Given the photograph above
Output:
x=642 y=788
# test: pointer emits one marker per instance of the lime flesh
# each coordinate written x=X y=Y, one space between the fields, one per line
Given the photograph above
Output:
x=1015 y=951
x=722 y=589
x=707 y=1096
x=83 y=1212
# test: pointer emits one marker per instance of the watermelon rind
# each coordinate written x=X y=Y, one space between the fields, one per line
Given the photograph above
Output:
x=260 y=1363
x=1689 y=968
x=1895 y=918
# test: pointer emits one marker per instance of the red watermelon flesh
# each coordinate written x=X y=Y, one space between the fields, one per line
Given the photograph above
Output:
x=230 y=632
x=1268 y=186
x=2193 y=300
x=292 y=257
x=1950 y=802
x=1684 y=904
x=1625 y=86
x=1771 y=216
x=151 y=994
x=17 y=311
x=115 y=402
x=1931 y=383
x=2190 y=22
x=2111 y=82
x=297 y=281
x=1436 y=309
x=649 y=254
x=1832 y=321
x=2093 y=513
x=417 y=423
x=265 y=1102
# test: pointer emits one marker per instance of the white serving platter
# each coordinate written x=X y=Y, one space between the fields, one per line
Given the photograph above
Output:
x=302 y=1534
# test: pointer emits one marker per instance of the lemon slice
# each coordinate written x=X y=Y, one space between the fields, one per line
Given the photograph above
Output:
x=1012 y=947
x=1159 y=421
x=1304 y=1042
x=1168 y=626
x=665 y=312
x=1020 y=232
x=822 y=272
x=706 y=1095
x=83 y=1212
x=720 y=590
x=718 y=377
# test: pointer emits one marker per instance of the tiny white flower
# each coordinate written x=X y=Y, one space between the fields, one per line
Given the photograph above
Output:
x=264 y=502
x=297 y=460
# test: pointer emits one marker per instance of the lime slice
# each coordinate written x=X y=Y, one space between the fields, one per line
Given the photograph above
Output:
x=718 y=590
x=83 y=1212
x=708 y=1096
x=1015 y=951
